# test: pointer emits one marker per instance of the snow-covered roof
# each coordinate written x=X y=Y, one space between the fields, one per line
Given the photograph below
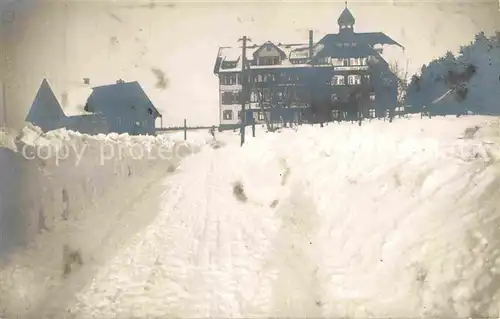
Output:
x=331 y=45
x=119 y=94
x=327 y=46
x=291 y=51
x=76 y=100
x=233 y=54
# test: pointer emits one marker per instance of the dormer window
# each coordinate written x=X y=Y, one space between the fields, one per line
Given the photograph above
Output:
x=228 y=65
x=269 y=60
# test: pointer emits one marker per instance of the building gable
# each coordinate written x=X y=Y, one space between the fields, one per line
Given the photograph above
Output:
x=45 y=112
x=269 y=49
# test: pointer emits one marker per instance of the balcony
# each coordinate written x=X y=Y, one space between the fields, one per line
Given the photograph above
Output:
x=230 y=87
x=351 y=68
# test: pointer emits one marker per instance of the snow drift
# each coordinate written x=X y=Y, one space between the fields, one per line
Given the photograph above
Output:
x=383 y=220
x=64 y=188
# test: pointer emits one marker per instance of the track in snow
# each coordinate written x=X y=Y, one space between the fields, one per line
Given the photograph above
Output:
x=356 y=231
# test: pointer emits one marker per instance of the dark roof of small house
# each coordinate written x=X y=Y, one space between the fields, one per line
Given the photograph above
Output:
x=116 y=94
x=45 y=110
x=346 y=17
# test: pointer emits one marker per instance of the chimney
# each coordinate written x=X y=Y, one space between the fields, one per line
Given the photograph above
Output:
x=120 y=81
x=310 y=44
x=86 y=81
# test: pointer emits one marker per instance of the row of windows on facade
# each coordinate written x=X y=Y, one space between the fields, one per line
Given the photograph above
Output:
x=266 y=96
x=344 y=62
x=227 y=115
x=294 y=96
x=352 y=79
x=236 y=79
x=336 y=62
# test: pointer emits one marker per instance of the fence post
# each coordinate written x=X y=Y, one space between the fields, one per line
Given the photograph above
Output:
x=185 y=130
x=253 y=129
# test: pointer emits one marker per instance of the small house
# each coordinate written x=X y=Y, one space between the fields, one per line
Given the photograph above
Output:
x=118 y=108
x=125 y=106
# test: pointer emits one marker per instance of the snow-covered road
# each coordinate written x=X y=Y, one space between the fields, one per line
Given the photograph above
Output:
x=407 y=228
x=383 y=220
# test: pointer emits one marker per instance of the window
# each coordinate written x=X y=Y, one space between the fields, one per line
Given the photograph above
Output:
x=372 y=96
x=232 y=79
x=345 y=62
x=355 y=61
x=228 y=79
x=267 y=95
x=227 y=115
x=354 y=79
x=150 y=111
x=254 y=96
x=230 y=98
x=336 y=62
x=335 y=113
x=366 y=79
x=260 y=116
x=269 y=78
x=239 y=114
x=338 y=80
x=269 y=60
x=334 y=97
x=371 y=113
x=268 y=48
x=259 y=78
x=280 y=95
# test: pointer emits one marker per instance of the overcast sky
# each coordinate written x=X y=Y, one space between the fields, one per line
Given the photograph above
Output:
x=67 y=41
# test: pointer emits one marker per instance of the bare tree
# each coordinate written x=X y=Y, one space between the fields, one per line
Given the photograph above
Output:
x=260 y=99
x=402 y=80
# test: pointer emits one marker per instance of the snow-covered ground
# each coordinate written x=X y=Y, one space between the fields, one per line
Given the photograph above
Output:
x=382 y=220
x=65 y=189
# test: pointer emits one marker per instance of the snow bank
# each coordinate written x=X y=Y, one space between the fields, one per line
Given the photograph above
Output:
x=63 y=187
x=383 y=220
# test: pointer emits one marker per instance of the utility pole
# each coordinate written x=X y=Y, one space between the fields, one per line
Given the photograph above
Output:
x=244 y=86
